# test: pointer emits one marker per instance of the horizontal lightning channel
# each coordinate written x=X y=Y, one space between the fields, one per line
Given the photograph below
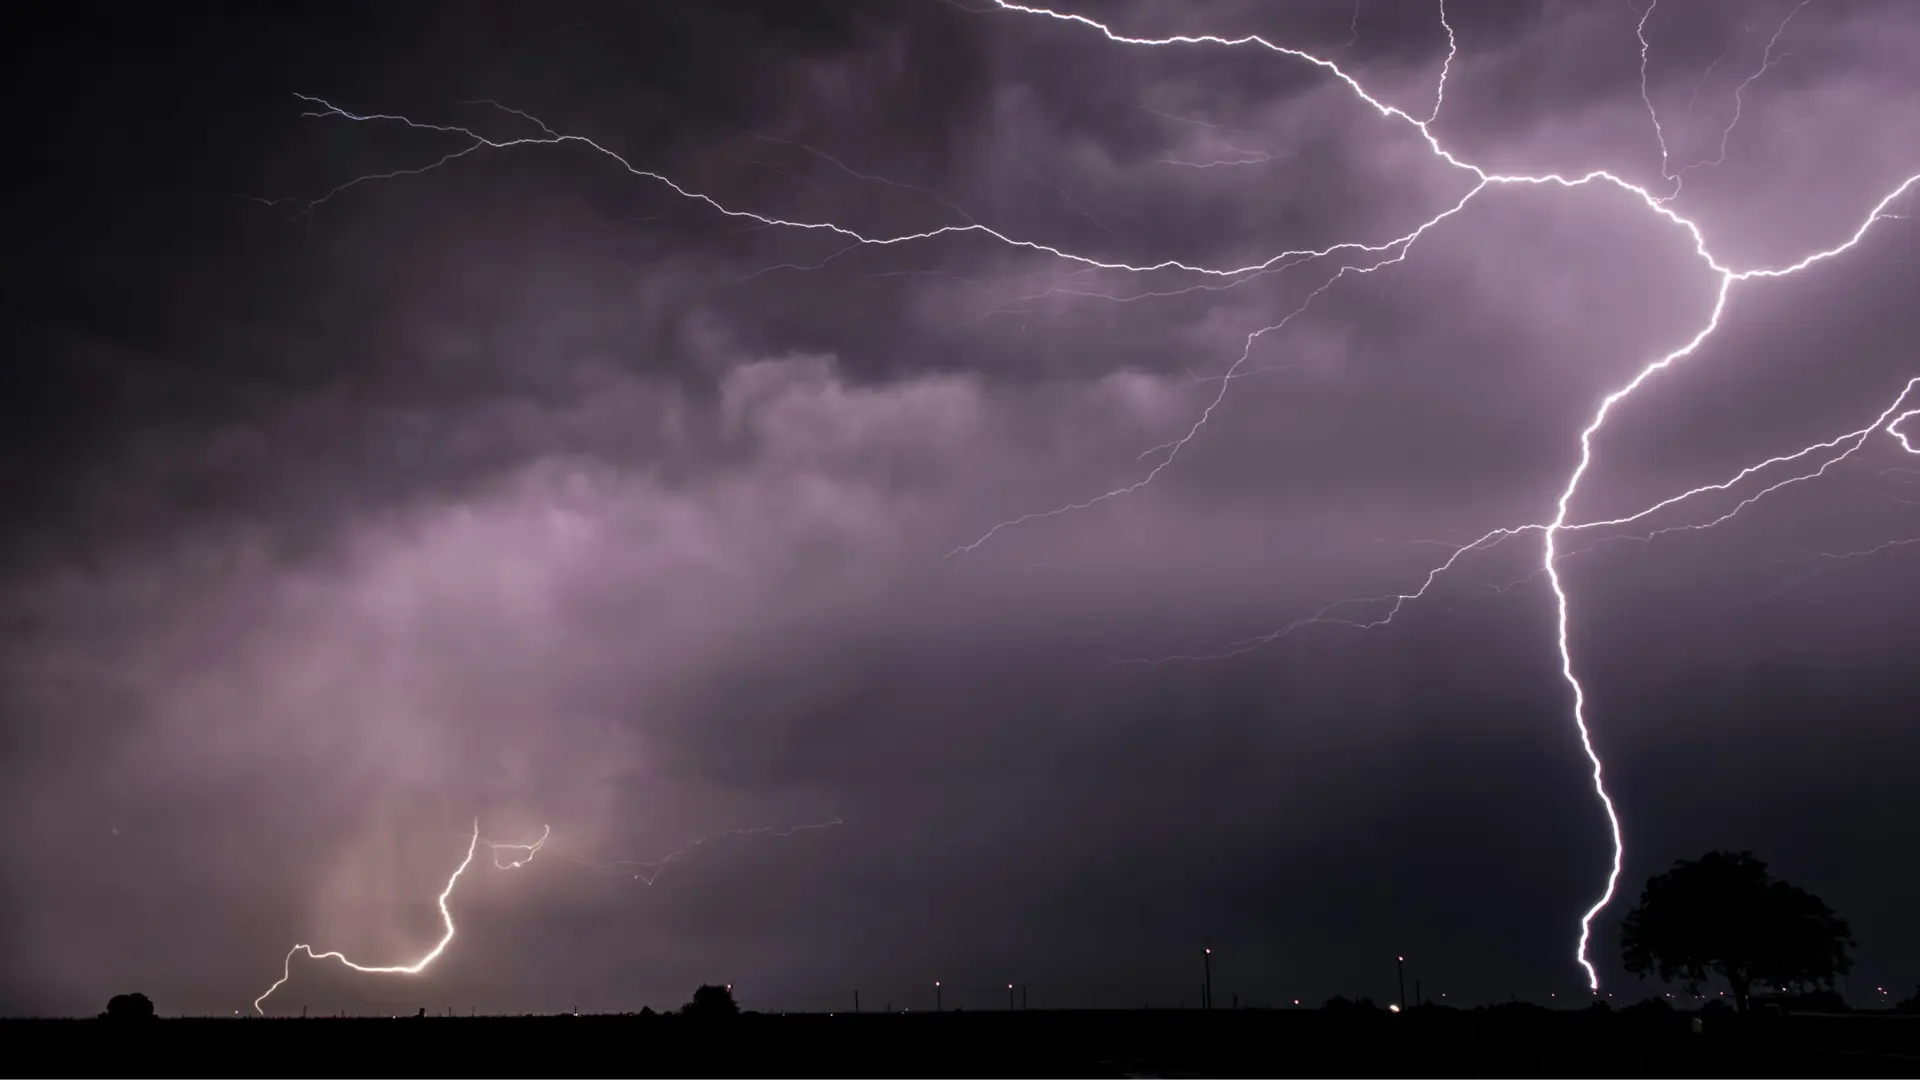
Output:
x=1834 y=559
x=649 y=870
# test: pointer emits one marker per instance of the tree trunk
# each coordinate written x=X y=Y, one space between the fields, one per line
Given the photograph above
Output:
x=1742 y=990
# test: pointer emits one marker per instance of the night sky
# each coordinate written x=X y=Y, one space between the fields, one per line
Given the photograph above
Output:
x=526 y=487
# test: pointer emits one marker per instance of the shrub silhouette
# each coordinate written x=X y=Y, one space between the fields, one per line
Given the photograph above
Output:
x=125 y=1007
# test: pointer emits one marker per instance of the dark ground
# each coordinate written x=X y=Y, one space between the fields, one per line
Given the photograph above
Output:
x=1506 y=1041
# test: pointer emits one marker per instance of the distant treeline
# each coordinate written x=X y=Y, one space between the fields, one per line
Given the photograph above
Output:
x=1425 y=1040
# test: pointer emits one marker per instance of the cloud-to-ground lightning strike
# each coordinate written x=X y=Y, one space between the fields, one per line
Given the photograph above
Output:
x=512 y=856
x=446 y=922
x=1356 y=258
x=1728 y=277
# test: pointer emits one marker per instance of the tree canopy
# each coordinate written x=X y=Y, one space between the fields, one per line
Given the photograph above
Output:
x=1725 y=914
x=711 y=1001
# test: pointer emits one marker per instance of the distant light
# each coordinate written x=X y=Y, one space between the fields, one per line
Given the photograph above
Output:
x=1009 y=986
x=1402 y=959
x=936 y=982
x=1393 y=1008
x=1296 y=1001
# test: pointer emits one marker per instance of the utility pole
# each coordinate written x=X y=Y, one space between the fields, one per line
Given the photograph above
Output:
x=1009 y=997
x=1206 y=992
x=936 y=995
x=1400 y=963
x=856 y=1003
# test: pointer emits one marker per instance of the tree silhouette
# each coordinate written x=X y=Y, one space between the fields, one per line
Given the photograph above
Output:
x=128 y=1007
x=711 y=1002
x=1725 y=914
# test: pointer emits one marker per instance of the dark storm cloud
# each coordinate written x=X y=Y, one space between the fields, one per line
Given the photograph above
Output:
x=524 y=487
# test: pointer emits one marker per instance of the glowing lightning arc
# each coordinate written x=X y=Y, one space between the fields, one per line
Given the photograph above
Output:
x=1364 y=258
x=446 y=921
x=508 y=856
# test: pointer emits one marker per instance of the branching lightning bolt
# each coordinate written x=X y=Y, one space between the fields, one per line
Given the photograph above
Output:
x=1767 y=61
x=527 y=851
x=1551 y=529
x=1356 y=258
x=446 y=921
x=512 y=856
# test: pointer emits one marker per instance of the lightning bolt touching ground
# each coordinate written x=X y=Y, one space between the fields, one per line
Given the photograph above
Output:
x=1355 y=258
x=446 y=922
x=1550 y=530
x=512 y=856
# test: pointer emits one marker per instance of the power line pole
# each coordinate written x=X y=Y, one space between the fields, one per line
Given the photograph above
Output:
x=1400 y=965
x=1206 y=992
